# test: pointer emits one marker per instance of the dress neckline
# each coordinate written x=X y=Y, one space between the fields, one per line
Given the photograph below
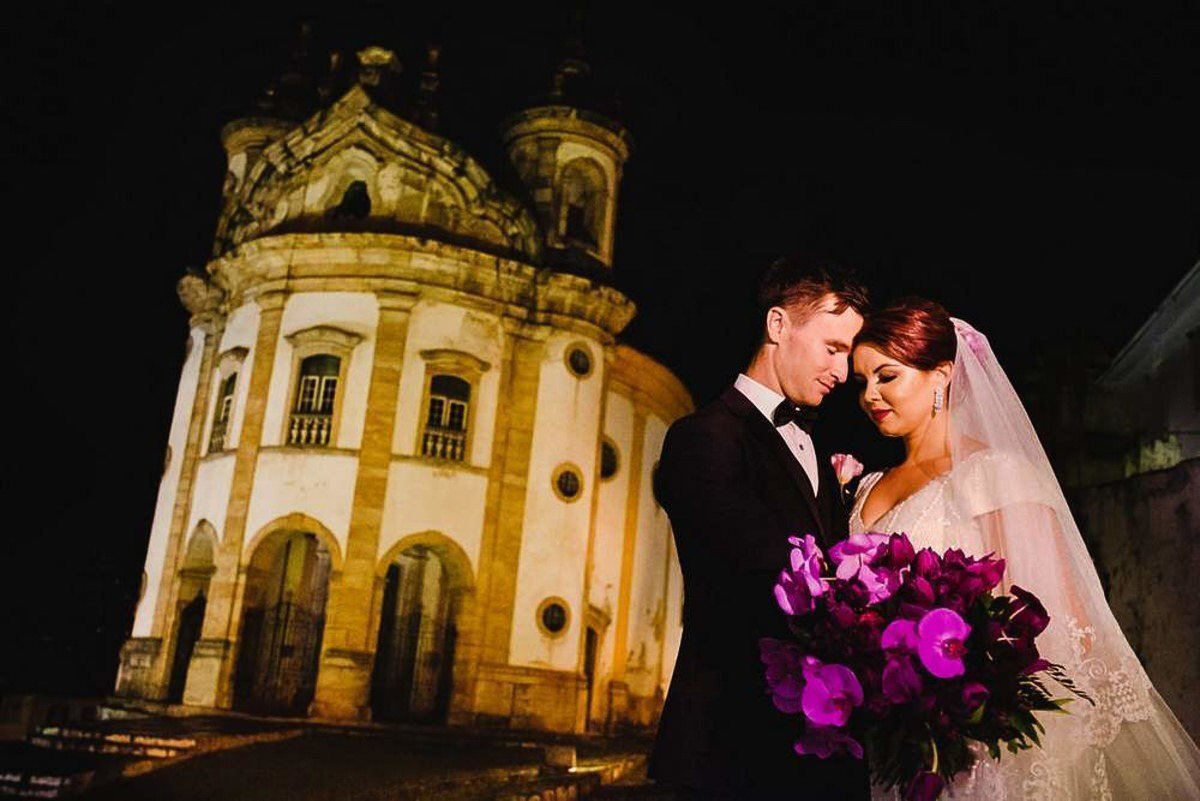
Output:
x=896 y=506
x=930 y=483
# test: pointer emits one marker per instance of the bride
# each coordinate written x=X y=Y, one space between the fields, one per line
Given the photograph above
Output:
x=975 y=477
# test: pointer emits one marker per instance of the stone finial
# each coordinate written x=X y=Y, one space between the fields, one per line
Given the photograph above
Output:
x=376 y=65
x=574 y=64
x=427 y=114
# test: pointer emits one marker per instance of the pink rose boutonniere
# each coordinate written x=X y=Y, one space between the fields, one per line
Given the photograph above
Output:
x=846 y=467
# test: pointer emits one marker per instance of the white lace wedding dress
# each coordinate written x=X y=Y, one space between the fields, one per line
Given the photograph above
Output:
x=1000 y=496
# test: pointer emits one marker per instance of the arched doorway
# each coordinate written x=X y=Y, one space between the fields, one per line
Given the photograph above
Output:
x=414 y=655
x=284 y=618
x=191 y=601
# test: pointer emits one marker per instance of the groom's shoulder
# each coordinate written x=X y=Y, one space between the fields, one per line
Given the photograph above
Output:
x=712 y=419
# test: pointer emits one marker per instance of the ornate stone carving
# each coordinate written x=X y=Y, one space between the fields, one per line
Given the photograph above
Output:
x=432 y=187
x=199 y=296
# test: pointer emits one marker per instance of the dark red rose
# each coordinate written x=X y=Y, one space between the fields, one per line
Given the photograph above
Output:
x=1027 y=615
x=927 y=564
x=973 y=694
x=925 y=786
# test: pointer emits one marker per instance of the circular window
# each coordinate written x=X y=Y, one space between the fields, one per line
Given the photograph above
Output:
x=608 y=459
x=579 y=360
x=553 y=617
x=567 y=482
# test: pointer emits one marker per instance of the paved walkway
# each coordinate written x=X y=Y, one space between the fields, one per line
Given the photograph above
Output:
x=318 y=766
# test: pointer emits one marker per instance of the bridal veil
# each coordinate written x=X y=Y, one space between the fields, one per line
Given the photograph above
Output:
x=1128 y=744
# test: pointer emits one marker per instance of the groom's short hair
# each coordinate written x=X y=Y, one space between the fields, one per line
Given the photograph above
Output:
x=800 y=282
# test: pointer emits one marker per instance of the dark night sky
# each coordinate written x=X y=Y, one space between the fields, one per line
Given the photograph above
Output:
x=1033 y=168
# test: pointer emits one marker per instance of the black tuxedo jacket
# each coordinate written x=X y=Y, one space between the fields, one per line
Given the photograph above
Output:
x=734 y=493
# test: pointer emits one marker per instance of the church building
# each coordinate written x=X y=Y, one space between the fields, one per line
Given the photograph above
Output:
x=408 y=474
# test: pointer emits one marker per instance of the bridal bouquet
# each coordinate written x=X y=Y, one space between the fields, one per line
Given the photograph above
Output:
x=911 y=652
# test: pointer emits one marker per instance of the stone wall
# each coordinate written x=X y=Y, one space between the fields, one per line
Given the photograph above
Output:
x=1144 y=535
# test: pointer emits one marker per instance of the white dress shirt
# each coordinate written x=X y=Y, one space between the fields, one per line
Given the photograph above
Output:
x=796 y=438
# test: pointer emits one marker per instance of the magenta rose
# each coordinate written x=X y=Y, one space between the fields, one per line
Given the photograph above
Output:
x=925 y=786
x=927 y=564
x=1027 y=616
x=898 y=554
x=901 y=681
x=973 y=694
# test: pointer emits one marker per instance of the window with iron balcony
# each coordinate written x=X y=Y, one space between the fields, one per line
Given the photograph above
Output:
x=320 y=356
x=452 y=379
x=224 y=411
x=229 y=365
x=445 y=434
x=311 y=422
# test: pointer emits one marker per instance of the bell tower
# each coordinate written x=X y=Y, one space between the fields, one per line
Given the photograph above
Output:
x=570 y=157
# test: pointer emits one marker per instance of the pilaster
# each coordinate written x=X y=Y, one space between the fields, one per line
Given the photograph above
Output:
x=344 y=675
x=632 y=506
x=211 y=671
x=506 y=495
x=145 y=662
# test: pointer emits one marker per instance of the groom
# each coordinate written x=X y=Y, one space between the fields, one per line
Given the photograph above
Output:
x=737 y=478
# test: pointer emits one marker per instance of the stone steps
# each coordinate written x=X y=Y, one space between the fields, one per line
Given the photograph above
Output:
x=123 y=743
x=30 y=772
x=584 y=781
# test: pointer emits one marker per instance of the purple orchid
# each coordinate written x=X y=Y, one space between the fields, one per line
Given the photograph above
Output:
x=941 y=635
x=900 y=635
x=797 y=589
x=825 y=741
x=785 y=673
x=880 y=583
x=808 y=562
x=793 y=596
x=830 y=694
x=860 y=557
x=851 y=554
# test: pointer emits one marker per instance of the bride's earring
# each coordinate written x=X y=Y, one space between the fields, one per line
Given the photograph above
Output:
x=939 y=398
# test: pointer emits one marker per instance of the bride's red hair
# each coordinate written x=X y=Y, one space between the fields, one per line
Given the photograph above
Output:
x=914 y=331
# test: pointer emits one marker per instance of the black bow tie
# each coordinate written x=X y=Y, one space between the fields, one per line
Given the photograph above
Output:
x=788 y=412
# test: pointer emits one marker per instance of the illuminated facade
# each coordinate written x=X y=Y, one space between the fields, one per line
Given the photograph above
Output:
x=408 y=473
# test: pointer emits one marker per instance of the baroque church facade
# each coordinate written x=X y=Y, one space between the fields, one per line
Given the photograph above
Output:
x=409 y=469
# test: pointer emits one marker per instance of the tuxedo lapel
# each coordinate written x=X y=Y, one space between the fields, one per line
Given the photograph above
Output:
x=770 y=441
